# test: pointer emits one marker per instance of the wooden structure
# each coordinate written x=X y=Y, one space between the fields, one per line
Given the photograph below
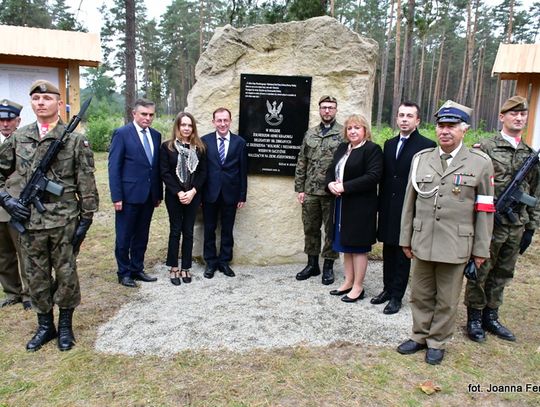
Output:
x=66 y=51
x=521 y=62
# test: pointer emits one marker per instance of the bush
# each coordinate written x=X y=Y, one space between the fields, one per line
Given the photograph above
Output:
x=99 y=130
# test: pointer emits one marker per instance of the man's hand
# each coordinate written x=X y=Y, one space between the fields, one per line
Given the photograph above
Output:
x=80 y=233
x=478 y=261
x=18 y=212
x=241 y=205
x=117 y=206
x=408 y=252
x=526 y=240
x=301 y=197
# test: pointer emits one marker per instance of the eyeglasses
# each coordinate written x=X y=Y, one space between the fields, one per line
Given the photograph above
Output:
x=327 y=107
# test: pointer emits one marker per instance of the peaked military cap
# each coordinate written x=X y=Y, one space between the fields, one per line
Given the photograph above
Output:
x=43 y=86
x=327 y=98
x=452 y=112
x=9 y=109
x=515 y=104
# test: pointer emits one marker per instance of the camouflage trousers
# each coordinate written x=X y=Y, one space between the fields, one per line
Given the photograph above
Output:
x=45 y=250
x=497 y=271
x=315 y=214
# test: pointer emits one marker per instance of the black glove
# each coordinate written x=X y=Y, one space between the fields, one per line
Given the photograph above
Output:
x=18 y=212
x=80 y=233
x=470 y=270
x=526 y=240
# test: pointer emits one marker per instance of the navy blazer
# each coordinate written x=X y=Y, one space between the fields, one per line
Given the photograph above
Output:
x=230 y=178
x=394 y=183
x=131 y=177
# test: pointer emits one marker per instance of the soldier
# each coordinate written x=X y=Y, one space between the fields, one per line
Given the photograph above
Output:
x=52 y=238
x=447 y=218
x=12 y=276
x=314 y=159
x=508 y=151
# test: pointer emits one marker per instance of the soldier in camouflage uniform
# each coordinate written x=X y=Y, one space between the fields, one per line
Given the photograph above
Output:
x=314 y=159
x=52 y=238
x=12 y=276
x=508 y=152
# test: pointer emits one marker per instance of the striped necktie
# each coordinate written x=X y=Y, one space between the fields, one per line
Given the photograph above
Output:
x=222 y=149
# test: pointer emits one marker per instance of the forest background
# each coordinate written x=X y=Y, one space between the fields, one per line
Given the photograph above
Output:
x=429 y=51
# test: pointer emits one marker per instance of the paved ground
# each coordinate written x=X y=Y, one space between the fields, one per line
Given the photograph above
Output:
x=262 y=307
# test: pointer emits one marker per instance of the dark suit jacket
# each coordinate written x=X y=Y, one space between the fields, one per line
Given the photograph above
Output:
x=361 y=175
x=168 y=161
x=230 y=178
x=394 y=183
x=131 y=177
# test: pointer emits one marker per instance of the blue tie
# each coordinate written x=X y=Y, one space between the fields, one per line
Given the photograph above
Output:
x=146 y=145
x=403 y=141
x=222 y=149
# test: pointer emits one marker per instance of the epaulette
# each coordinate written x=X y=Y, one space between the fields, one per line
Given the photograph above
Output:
x=479 y=152
x=426 y=150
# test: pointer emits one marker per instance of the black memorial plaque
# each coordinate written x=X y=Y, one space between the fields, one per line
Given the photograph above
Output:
x=274 y=115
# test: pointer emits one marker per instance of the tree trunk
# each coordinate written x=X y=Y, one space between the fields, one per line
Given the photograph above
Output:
x=408 y=57
x=384 y=68
x=438 y=80
x=397 y=90
x=130 y=59
x=421 y=75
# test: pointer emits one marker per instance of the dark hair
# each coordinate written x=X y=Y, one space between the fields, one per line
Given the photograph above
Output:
x=221 y=109
x=408 y=103
x=194 y=139
x=143 y=103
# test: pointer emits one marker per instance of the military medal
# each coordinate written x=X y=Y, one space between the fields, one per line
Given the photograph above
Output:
x=456 y=190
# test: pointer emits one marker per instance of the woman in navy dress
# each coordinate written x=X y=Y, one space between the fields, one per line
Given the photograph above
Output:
x=353 y=178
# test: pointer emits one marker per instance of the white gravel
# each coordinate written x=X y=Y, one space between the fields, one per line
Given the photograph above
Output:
x=262 y=307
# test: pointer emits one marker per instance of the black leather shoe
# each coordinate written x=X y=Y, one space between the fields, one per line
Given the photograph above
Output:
x=328 y=272
x=342 y=292
x=209 y=272
x=46 y=332
x=475 y=332
x=10 y=301
x=346 y=298
x=393 y=306
x=225 y=269
x=311 y=270
x=434 y=356
x=491 y=323
x=142 y=276
x=27 y=305
x=381 y=298
x=409 y=347
x=127 y=281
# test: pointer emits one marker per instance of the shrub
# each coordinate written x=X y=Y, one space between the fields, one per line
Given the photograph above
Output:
x=99 y=130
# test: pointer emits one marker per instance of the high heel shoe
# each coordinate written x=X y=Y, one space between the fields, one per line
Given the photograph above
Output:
x=338 y=292
x=186 y=276
x=349 y=299
x=173 y=275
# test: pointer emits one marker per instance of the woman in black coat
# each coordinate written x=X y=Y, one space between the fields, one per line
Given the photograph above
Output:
x=183 y=170
x=353 y=177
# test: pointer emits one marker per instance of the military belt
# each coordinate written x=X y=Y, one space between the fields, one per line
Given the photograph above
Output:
x=66 y=196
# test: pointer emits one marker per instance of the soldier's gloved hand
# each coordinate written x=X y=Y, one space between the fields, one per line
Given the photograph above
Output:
x=80 y=233
x=526 y=240
x=12 y=206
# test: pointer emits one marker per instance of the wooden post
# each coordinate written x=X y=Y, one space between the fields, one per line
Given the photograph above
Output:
x=74 y=88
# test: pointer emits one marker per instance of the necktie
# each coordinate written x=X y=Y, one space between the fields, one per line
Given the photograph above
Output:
x=403 y=140
x=222 y=149
x=146 y=145
x=444 y=162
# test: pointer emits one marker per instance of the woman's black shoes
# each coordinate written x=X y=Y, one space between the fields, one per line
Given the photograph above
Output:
x=173 y=274
x=349 y=299
x=342 y=292
x=186 y=276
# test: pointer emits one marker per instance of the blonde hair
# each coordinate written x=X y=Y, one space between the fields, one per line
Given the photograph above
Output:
x=194 y=139
x=357 y=119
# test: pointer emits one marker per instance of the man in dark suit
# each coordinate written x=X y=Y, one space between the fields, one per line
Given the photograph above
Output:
x=398 y=154
x=135 y=190
x=225 y=191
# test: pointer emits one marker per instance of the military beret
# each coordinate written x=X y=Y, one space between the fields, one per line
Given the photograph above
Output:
x=43 y=86
x=452 y=112
x=9 y=109
x=515 y=104
x=327 y=98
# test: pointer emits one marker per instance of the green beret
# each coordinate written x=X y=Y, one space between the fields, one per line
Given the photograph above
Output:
x=9 y=109
x=327 y=98
x=515 y=104
x=43 y=86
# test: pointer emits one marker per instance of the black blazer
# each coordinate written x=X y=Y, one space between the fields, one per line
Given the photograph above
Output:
x=394 y=183
x=361 y=175
x=167 y=164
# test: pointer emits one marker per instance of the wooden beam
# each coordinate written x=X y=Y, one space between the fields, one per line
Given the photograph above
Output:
x=533 y=108
x=74 y=91
x=63 y=93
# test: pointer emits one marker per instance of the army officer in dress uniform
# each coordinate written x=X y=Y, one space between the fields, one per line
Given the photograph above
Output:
x=447 y=218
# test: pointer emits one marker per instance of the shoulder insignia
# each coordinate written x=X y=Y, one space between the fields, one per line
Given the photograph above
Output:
x=426 y=150
x=86 y=144
x=479 y=152
x=476 y=145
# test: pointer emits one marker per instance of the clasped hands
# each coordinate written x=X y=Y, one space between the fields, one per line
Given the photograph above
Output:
x=336 y=188
x=186 y=197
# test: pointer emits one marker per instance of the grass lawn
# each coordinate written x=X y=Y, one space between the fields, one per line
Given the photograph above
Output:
x=343 y=374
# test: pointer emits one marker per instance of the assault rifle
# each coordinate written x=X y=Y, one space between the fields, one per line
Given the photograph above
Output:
x=39 y=183
x=513 y=194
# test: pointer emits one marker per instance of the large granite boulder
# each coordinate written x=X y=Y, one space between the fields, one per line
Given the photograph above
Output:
x=341 y=63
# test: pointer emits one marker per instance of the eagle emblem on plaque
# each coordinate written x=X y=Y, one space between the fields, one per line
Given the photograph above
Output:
x=274 y=116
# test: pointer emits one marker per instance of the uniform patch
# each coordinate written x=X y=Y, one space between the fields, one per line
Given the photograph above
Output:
x=86 y=143
x=476 y=145
x=492 y=181
x=484 y=203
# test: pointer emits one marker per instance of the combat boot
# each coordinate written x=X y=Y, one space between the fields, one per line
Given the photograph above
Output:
x=312 y=268
x=328 y=272
x=45 y=332
x=475 y=332
x=490 y=322
x=66 y=340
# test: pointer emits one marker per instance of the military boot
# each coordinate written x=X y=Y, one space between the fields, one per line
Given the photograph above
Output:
x=475 y=332
x=328 y=272
x=45 y=332
x=66 y=340
x=312 y=268
x=490 y=322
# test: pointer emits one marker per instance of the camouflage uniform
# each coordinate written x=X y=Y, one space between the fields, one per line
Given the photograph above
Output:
x=314 y=159
x=47 y=242
x=498 y=270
